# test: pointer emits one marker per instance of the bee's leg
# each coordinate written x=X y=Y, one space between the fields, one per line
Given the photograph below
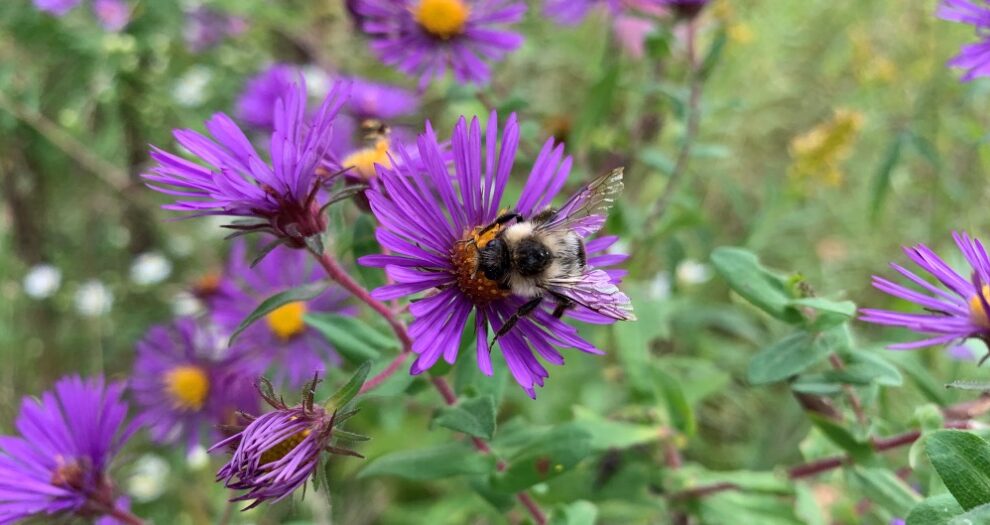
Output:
x=564 y=304
x=502 y=219
x=523 y=311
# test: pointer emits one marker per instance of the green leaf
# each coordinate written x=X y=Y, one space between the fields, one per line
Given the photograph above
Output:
x=351 y=337
x=475 y=417
x=830 y=313
x=787 y=357
x=444 y=461
x=977 y=516
x=607 y=434
x=884 y=488
x=302 y=293
x=547 y=456
x=714 y=54
x=766 y=290
x=598 y=102
x=936 y=510
x=881 y=181
x=681 y=414
x=347 y=392
x=577 y=513
x=962 y=460
x=969 y=384
x=836 y=433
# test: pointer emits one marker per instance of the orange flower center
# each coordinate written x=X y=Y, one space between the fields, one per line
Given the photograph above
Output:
x=287 y=321
x=443 y=19
x=188 y=386
x=976 y=311
x=362 y=162
x=282 y=448
x=470 y=280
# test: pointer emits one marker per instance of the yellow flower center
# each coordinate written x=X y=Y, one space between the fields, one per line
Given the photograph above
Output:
x=287 y=321
x=362 y=162
x=442 y=18
x=188 y=386
x=282 y=448
x=976 y=311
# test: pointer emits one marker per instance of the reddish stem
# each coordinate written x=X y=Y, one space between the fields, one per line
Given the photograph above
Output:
x=374 y=382
x=532 y=507
x=124 y=516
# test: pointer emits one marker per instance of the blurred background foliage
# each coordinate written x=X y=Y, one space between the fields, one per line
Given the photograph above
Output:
x=830 y=134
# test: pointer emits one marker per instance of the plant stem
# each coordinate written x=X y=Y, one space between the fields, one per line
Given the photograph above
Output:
x=341 y=277
x=124 y=516
x=691 y=129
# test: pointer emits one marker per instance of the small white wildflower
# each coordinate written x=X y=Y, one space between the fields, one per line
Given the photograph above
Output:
x=660 y=286
x=197 y=458
x=185 y=303
x=693 y=272
x=190 y=89
x=150 y=268
x=317 y=80
x=42 y=281
x=93 y=299
x=148 y=480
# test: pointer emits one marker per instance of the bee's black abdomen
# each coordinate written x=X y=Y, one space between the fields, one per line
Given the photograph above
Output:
x=531 y=257
x=494 y=260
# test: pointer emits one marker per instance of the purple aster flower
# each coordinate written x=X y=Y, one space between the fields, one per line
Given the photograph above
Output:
x=278 y=451
x=256 y=104
x=426 y=37
x=951 y=315
x=112 y=14
x=206 y=27
x=188 y=383
x=434 y=226
x=974 y=58
x=59 y=463
x=569 y=12
x=375 y=101
x=56 y=7
x=282 y=198
x=283 y=337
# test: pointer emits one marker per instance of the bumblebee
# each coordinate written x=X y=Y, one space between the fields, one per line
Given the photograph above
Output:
x=543 y=257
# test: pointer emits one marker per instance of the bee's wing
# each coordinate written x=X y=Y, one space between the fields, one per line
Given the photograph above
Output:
x=595 y=291
x=585 y=212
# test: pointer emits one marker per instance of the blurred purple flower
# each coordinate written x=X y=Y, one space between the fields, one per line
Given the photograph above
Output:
x=278 y=451
x=372 y=100
x=282 y=338
x=897 y=521
x=425 y=38
x=68 y=438
x=206 y=27
x=256 y=103
x=974 y=58
x=188 y=383
x=56 y=7
x=631 y=33
x=569 y=12
x=112 y=14
x=949 y=317
x=282 y=198
x=684 y=8
x=425 y=221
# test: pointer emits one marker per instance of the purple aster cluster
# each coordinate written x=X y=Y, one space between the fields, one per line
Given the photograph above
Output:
x=974 y=58
x=112 y=14
x=425 y=38
x=282 y=342
x=956 y=312
x=256 y=103
x=277 y=452
x=189 y=384
x=207 y=28
x=59 y=463
x=282 y=198
x=435 y=255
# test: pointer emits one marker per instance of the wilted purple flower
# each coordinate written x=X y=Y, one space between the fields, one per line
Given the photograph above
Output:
x=256 y=103
x=189 y=384
x=112 y=14
x=207 y=27
x=428 y=225
x=56 y=7
x=426 y=37
x=953 y=315
x=278 y=451
x=283 y=338
x=974 y=58
x=59 y=464
x=282 y=198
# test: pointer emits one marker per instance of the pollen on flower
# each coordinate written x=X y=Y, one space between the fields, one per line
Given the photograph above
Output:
x=287 y=321
x=443 y=19
x=976 y=310
x=188 y=386
x=362 y=162
x=473 y=283
x=68 y=474
x=282 y=448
